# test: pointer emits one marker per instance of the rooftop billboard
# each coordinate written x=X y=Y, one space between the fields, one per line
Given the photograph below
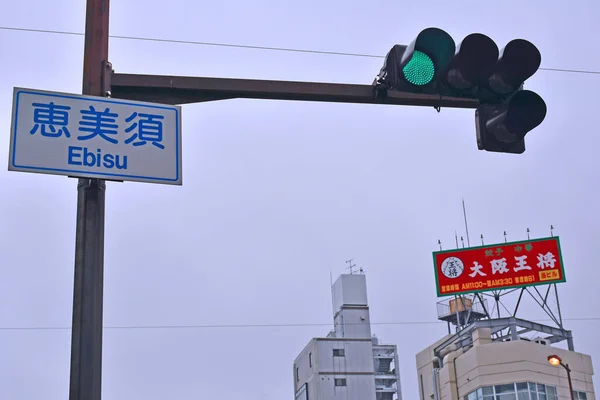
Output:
x=498 y=266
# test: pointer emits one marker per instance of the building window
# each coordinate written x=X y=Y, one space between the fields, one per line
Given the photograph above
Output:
x=310 y=360
x=515 y=391
x=339 y=382
x=338 y=353
x=579 y=395
x=297 y=374
x=302 y=393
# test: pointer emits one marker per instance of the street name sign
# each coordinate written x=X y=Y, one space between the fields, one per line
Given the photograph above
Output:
x=95 y=137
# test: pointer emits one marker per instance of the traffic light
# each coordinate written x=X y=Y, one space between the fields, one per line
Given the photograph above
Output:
x=502 y=127
x=471 y=66
x=474 y=69
x=507 y=112
x=418 y=64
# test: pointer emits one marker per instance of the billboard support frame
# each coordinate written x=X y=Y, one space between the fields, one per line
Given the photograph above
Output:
x=541 y=296
x=541 y=300
x=464 y=338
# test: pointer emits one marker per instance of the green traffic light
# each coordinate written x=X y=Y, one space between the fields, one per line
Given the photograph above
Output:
x=419 y=70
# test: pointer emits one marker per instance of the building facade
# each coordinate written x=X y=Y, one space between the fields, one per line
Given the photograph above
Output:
x=349 y=363
x=492 y=359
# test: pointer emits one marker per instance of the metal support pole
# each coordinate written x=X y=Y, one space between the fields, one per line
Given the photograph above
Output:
x=86 y=334
x=497 y=298
x=560 y=320
x=458 y=323
x=570 y=344
x=569 y=378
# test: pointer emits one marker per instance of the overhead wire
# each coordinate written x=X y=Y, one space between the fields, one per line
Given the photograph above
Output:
x=264 y=48
x=246 y=326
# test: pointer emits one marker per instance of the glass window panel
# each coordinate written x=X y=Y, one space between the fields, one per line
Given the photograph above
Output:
x=541 y=388
x=523 y=396
x=340 y=382
x=338 y=352
x=521 y=386
x=532 y=387
x=510 y=388
x=506 y=396
x=487 y=390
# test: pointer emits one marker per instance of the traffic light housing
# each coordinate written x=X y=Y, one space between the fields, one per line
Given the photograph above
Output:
x=507 y=112
x=420 y=63
x=502 y=127
x=471 y=66
x=474 y=69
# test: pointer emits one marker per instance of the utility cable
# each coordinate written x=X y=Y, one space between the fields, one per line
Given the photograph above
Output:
x=241 y=46
x=234 y=326
x=264 y=48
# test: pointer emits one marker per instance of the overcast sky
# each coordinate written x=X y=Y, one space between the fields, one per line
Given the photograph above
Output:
x=277 y=194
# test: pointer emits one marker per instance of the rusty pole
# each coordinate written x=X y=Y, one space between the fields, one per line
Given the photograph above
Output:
x=86 y=334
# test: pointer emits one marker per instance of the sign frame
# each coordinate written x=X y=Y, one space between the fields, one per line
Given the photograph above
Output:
x=13 y=165
x=559 y=258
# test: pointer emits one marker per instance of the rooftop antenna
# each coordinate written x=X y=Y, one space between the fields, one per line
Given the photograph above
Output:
x=456 y=237
x=528 y=234
x=466 y=226
x=482 y=240
x=351 y=267
x=440 y=244
x=462 y=240
x=505 y=241
x=551 y=230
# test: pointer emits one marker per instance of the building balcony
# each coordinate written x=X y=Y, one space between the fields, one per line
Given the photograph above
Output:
x=385 y=389
x=385 y=395
x=386 y=376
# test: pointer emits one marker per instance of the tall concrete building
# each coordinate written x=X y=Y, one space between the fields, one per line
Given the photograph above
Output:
x=349 y=363
x=501 y=359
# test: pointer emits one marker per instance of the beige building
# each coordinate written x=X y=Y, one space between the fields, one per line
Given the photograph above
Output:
x=492 y=360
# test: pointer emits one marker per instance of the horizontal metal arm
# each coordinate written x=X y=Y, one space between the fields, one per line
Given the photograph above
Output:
x=184 y=89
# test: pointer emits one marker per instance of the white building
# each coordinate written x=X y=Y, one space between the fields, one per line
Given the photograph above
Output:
x=348 y=364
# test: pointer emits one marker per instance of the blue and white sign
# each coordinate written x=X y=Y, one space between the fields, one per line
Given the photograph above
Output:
x=95 y=137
